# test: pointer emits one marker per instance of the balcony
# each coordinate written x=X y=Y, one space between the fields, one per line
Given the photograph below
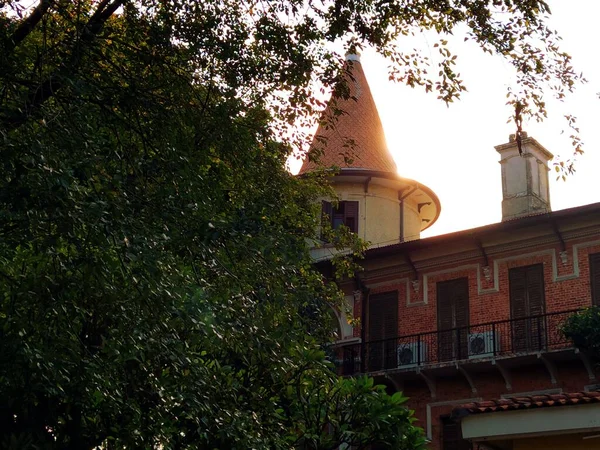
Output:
x=486 y=342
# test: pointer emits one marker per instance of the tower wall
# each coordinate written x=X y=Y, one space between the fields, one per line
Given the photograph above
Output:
x=379 y=213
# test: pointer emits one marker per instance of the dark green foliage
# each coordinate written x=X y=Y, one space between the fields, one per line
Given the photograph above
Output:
x=153 y=257
x=583 y=328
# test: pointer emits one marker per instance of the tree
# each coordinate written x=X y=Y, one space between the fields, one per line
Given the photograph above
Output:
x=156 y=280
x=157 y=286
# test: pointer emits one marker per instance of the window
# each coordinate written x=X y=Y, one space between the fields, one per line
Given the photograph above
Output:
x=527 y=306
x=453 y=314
x=452 y=435
x=345 y=213
x=595 y=278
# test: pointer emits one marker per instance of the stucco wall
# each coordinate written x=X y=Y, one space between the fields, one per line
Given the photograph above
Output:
x=379 y=213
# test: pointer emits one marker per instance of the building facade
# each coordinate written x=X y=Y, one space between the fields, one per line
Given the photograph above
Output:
x=476 y=315
x=468 y=317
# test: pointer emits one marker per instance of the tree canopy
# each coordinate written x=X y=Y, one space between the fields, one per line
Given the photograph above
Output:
x=157 y=289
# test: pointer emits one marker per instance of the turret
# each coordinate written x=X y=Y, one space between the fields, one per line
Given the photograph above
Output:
x=375 y=202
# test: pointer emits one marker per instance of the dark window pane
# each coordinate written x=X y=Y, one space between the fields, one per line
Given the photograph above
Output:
x=337 y=221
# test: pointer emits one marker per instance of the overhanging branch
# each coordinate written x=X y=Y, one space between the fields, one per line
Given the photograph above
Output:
x=28 y=25
x=48 y=88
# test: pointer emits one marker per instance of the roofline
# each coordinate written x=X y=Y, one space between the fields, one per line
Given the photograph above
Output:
x=521 y=403
x=486 y=230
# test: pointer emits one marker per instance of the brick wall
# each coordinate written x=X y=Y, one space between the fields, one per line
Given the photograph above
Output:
x=570 y=293
x=565 y=289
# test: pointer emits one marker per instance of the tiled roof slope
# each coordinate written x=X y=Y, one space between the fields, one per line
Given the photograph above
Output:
x=360 y=122
x=530 y=402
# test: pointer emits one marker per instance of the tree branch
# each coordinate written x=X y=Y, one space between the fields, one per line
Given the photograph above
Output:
x=48 y=88
x=27 y=26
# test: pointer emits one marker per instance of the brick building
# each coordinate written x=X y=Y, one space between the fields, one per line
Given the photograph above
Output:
x=468 y=317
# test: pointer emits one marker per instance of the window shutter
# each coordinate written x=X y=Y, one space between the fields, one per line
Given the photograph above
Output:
x=535 y=290
x=453 y=312
x=518 y=292
x=518 y=308
x=461 y=316
x=526 y=300
x=444 y=306
x=445 y=320
x=535 y=305
x=383 y=324
x=461 y=302
x=351 y=216
x=383 y=316
x=595 y=278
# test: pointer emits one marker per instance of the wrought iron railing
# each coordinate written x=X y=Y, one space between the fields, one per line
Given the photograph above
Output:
x=513 y=337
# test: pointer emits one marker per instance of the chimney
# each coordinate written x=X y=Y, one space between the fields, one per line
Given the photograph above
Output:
x=525 y=189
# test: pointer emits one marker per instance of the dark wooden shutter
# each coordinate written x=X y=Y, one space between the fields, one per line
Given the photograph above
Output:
x=445 y=321
x=518 y=308
x=453 y=314
x=351 y=216
x=461 y=317
x=527 y=306
x=452 y=435
x=383 y=329
x=535 y=290
x=535 y=303
x=595 y=278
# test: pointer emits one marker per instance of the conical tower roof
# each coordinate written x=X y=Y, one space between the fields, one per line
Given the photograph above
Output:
x=359 y=124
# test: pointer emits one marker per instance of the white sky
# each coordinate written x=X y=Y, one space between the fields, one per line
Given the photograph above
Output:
x=451 y=150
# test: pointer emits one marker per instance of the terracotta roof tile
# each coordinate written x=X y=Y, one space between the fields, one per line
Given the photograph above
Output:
x=359 y=123
x=529 y=402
